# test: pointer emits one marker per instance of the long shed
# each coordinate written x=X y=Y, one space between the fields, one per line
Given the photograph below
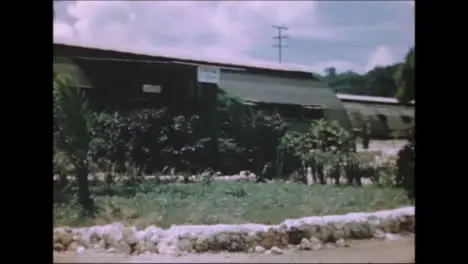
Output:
x=388 y=117
x=118 y=75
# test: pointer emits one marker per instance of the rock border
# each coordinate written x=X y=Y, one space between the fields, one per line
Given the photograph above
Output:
x=307 y=233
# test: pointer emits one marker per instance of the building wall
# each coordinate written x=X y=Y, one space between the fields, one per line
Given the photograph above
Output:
x=118 y=79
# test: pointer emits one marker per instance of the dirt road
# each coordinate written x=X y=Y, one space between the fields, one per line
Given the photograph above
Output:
x=369 y=251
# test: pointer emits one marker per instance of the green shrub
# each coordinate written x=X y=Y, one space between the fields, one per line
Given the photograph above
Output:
x=406 y=165
x=324 y=144
x=248 y=138
x=72 y=119
x=147 y=140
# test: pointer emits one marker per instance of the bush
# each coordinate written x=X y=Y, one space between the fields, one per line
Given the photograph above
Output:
x=248 y=138
x=72 y=119
x=405 y=164
x=146 y=140
x=324 y=144
x=379 y=168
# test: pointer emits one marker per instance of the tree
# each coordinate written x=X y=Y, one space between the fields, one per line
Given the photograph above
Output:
x=380 y=81
x=404 y=78
x=330 y=72
x=72 y=122
x=348 y=82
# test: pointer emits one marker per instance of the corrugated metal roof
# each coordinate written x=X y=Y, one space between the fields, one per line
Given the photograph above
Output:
x=374 y=99
x=278 y=90
x=181 y=55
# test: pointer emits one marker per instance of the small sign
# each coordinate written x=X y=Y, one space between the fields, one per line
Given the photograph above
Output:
x=150 y=88
x=208 y=74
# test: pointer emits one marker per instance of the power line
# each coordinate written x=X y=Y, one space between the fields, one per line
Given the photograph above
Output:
x=280 y=37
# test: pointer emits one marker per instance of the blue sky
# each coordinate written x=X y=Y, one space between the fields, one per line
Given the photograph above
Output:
x=349 y=35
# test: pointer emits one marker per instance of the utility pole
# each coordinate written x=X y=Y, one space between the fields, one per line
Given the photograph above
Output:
x=280 y=37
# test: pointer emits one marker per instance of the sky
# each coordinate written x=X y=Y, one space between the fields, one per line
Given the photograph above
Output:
x=347 y=35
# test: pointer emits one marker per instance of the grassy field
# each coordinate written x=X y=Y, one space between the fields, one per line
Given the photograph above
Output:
x=221 y=202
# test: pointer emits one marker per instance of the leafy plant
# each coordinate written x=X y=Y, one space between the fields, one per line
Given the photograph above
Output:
x=72 y=121
x=404 y=78
x=62 y=166
x=249 y=138
x=146 y=140
x=184 y=145
x=405 y=165
x=325 y=143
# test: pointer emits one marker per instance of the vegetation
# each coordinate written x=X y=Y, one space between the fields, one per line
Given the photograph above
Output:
x=325 y=143
x=72 y=123
x=248 y=138
x=406 y=170
x=223 y=202
x=145 y=141
x=396 y=80
x=404 y=78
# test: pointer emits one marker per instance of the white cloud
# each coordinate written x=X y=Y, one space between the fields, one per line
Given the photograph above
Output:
x=380 y=56
x=220 y=30
x=225 y=28
x=339 y=65
x=62 y=29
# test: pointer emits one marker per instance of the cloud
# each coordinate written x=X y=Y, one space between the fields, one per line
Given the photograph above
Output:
x=380 y=56
x=227 y=29
x=339 y=65
x=221 y=30
x=62 y=29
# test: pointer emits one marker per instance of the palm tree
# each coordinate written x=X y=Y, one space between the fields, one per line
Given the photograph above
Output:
x=72 y=119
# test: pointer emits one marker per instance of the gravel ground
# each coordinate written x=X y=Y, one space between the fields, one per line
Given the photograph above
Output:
x=365 y=251
x=383 y=145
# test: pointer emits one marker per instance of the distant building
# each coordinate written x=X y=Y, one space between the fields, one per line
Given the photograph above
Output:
x=388 y=117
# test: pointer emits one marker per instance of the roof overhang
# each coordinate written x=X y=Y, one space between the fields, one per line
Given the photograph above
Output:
x=70 y=69
x=191 y=58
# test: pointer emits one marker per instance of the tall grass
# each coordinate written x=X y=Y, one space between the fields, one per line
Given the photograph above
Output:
x=222 y=202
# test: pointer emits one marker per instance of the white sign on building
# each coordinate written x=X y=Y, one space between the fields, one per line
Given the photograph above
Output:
x=208 y=74
x=150 y=88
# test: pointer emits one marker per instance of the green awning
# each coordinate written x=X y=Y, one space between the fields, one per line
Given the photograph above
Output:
x=275 y=90
x=68 y=68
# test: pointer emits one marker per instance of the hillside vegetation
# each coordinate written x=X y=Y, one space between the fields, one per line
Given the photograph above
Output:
x=396 y=80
